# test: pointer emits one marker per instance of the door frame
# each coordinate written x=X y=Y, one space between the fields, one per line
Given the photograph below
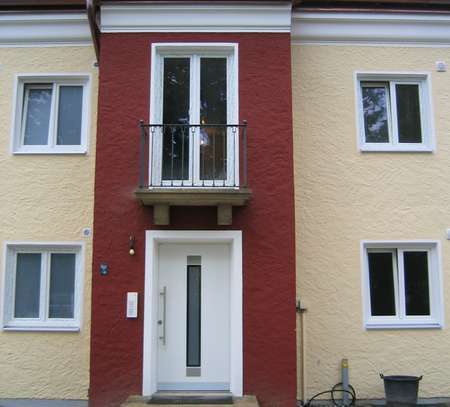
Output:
x=152 y=240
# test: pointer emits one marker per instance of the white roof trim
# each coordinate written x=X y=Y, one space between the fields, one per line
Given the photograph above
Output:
x=370 y=28
x=271 y=17
x=44 y=29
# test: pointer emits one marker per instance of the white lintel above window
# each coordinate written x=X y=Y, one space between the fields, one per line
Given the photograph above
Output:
x=394 y=112
x=51 y=114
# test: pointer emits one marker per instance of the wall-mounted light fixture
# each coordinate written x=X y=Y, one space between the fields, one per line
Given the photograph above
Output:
x=131 y=245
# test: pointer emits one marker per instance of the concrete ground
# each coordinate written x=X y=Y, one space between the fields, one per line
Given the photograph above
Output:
x=42 y=403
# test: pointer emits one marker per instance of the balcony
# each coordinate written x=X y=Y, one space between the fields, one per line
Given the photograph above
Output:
x=193 y=165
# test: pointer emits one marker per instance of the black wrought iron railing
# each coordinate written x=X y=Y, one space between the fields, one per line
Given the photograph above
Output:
x=193 y=155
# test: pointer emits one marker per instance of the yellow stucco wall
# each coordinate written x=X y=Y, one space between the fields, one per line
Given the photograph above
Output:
x=46 y=198
x=344 y=196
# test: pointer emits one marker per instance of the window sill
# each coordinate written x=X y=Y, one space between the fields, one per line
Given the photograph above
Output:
x=43 y=328
x=395 y=149
x=403 y=325
x=81 y=151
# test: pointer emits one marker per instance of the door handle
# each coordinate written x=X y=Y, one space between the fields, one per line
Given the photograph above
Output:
x=162 y=321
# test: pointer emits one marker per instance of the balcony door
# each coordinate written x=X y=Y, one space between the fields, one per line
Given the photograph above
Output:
x=194 y=107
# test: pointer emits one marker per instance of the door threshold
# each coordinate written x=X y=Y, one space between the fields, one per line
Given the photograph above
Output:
x=191 y=397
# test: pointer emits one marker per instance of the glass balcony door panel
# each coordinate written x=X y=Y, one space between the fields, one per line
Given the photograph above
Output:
x=192 y=94
x=176 y=137
x=213 y=110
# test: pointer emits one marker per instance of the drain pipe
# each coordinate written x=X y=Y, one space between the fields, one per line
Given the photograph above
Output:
x=301 y=310
x=345 y=382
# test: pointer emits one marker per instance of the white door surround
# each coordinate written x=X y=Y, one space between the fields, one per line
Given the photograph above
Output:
x=153 y=239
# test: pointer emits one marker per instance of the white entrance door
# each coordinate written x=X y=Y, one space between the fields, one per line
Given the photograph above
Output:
x=193 y=322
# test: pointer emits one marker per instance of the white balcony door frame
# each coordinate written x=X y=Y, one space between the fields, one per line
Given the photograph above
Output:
x=151 y=298
x=193 y=51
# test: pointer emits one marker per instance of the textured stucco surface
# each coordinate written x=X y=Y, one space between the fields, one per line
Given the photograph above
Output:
x=343 y=196
x=267 y=223
x=46 y=198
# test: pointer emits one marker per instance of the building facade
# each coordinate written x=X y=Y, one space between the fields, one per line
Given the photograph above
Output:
x=48 y=102
x=252 y=159
x=371 y=151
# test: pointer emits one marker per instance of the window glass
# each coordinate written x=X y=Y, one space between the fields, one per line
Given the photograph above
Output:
x=408 y=113
x=417 y=293
x=381 y=277
x=37 y=105
x=375 y=107
x=193 y=316
x=176 y=111
x=213 y=110
x=27 y=285
x=62 y=285
x=69 y=115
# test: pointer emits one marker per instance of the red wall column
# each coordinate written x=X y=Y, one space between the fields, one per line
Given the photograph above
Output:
x=267 y=222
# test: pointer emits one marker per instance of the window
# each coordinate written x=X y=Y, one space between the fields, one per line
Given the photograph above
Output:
x=394 y=113
x=51 y=115
x=43 y=287
x=194 y=98
x=402 y=285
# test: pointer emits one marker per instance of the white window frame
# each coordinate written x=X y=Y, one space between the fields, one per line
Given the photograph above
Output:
x=400 y=320
x=194 y=51
x=18 y=119
x=43 y=323
x=423 y=80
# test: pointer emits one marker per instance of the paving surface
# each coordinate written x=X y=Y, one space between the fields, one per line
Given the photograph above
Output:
x=138 y=401
x=42 y=403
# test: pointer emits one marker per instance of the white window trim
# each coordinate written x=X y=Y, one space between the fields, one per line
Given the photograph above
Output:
x=223 y=50
x=436 y=319
x=426 y=112
x=80 y=79
x=8 y=323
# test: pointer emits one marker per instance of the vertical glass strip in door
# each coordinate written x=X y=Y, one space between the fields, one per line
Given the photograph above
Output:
x=213 y=110
x=193 y=321
x=176 y=100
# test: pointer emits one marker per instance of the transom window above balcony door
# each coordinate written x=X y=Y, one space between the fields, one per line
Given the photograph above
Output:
x=194 y=134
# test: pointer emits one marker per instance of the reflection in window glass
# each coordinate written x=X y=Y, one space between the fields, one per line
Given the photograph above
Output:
x=417 y=292
x=375 y=107
x=213 y=110
x=28 y=285
x=193 y=334
x=62 y=285
x=69 y=115
x=408 y=113
x=176 y=111
x=37 y=105
x=382 y=289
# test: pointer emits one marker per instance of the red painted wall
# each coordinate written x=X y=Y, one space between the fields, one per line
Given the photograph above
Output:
x=267 y=222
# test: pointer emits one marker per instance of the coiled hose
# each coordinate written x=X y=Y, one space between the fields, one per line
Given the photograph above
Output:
x=335 y=389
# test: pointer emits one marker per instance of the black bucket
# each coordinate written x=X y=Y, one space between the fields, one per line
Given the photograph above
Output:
x=401 y=389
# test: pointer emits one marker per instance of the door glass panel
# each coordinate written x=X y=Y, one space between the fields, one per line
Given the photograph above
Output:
x=213 y=110
x=381 y=276
x=62 y=285
x=175 y=161
x=38 y=104
x=375 y=107
x=69 y=115
x=193 y=316
x=417 y=293
x=28 y=285
x=408 y=114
